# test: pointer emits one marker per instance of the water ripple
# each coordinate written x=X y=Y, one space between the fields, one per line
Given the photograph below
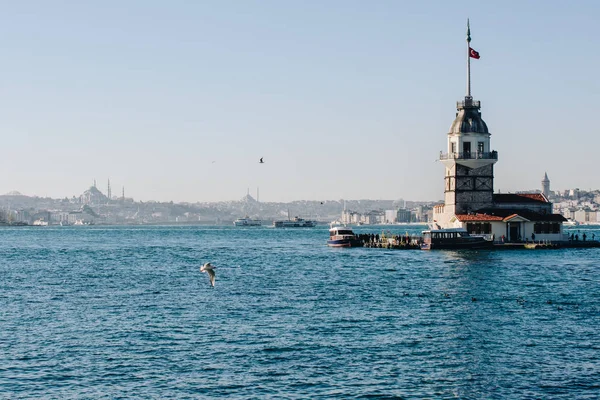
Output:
x=124 y=312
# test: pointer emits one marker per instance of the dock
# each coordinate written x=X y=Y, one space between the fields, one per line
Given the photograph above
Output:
x=413 y=242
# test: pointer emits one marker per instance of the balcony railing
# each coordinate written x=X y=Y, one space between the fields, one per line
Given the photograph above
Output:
x=468 y=103
x=472 y=155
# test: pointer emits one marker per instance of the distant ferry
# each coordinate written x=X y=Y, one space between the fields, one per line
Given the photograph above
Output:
x=247 y=221
x=295 y=223
x=454 y=239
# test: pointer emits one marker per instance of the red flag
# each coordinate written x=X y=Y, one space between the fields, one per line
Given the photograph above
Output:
x=473 y=54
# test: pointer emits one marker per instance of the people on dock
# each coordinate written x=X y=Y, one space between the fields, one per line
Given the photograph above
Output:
x=533 y=237
x=584 y=236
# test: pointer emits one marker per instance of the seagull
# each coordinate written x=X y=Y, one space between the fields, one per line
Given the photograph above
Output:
x=209 y=269
x=261 y=161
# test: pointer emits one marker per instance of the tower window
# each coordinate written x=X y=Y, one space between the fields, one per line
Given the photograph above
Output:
x=480 y=147
x=453 y=147
x=467 y=149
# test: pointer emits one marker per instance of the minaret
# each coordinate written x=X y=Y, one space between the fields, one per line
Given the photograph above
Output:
x=108 y=190
x=123 y=194
x=469 y=160
x=546 y=185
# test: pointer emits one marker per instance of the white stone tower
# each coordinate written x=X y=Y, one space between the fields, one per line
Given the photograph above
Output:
x=546 y=185
x=469 y=160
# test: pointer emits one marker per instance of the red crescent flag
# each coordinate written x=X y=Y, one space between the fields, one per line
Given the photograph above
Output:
x=473 y=54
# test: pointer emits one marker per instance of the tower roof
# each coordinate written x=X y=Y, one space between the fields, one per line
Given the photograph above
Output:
x=468 y=118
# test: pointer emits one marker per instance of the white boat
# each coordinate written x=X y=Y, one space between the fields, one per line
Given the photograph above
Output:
x=297 y=222
x=342 y=236
x=453 y=239
x=570 y=222
x=247 y=221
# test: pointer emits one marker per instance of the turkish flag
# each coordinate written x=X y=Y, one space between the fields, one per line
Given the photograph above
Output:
x=473 y=53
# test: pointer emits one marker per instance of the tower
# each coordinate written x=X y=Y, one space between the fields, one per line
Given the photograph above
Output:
x=546 y=185
x=108 y=190
x=469 y=161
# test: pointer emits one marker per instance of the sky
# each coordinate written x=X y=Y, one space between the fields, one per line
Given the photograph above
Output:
x=177 y=100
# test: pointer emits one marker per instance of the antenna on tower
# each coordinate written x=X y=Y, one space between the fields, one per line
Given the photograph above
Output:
x=468 y=59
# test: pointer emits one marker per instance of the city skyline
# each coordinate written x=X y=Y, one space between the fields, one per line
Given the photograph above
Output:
x=343 y=100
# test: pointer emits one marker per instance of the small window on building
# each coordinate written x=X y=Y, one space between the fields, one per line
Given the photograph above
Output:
x=545 y=227
x=480 y=147
x=479 y=228
x=453 y=147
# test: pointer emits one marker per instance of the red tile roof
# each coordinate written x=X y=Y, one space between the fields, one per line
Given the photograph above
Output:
x=478 y=217
x=519 y=198
x=499 y=214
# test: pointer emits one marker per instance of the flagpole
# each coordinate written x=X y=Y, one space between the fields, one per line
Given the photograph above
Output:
x=468 y=60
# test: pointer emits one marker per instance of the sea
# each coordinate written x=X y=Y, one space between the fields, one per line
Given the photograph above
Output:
x=123 y=312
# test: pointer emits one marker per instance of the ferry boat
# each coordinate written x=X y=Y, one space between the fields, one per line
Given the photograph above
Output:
x=295 y=223
x=453 y=239
x=247 y=221
x=342 y=236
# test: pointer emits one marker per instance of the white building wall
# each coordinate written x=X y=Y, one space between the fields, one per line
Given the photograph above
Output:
x=390 y=216
x=500 y=228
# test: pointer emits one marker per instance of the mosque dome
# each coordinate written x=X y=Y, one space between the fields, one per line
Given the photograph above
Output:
x=468 y=118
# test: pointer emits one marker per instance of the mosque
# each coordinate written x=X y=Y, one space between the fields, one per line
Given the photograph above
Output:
x=469 y=198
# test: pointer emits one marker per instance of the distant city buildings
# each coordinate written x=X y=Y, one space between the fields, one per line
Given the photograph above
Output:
x=93 y=207
x=419 y=214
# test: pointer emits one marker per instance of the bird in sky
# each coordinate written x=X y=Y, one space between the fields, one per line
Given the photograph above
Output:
x=209 y=269
x=261 y=161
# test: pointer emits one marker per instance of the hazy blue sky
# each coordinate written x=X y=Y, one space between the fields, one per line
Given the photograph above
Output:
x=177 y=100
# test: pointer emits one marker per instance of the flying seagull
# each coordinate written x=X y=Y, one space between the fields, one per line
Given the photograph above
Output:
x=261 y=161
x=209 y=269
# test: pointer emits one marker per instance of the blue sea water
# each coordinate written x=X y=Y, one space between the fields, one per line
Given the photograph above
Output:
x=123 y=312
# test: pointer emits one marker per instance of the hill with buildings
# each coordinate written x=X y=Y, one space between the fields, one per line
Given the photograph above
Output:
x=95 y=207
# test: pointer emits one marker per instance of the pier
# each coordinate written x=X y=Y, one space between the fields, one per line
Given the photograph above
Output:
x=413 y=242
